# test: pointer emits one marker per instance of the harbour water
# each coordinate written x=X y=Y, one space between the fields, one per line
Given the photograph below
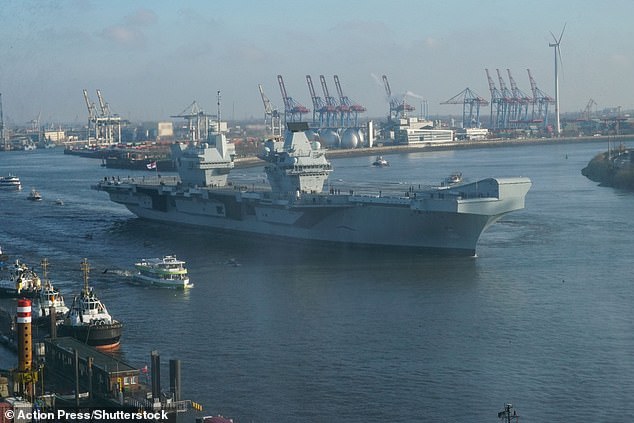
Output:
x=543 y=318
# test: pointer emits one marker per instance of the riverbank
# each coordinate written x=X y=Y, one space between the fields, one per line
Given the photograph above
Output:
x=393 y=149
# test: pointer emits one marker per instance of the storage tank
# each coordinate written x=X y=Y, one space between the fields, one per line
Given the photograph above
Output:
x=350 y=138
x=361 y=137
x=330 y=138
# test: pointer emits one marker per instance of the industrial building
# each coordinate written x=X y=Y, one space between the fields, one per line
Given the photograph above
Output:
x=99 y=374
x=412 y=130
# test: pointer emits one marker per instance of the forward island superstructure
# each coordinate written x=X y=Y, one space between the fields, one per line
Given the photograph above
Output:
x=447 y=219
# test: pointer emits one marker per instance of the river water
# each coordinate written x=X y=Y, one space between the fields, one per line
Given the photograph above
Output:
x=542 y=318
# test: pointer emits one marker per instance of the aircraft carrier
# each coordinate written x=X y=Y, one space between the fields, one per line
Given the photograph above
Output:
x=445 y=219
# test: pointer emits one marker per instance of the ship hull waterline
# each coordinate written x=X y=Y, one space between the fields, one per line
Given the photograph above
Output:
x=449 y=227
x=104 y=337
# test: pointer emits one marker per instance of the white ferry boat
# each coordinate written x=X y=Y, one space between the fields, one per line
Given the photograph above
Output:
x=167 y=272
x=10 y=182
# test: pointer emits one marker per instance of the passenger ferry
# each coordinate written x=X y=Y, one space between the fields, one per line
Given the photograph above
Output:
x=10 y=182
x=167 y=272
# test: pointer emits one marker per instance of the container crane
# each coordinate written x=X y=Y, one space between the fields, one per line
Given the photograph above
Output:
x=319 y=106
x=521 y=100
x=497 y=103
x=291 y=107
x=397 y=107
x=471 y=103
x=105 y=122
x=272 y=118
x=541 y=101
x=347 y=107
x=331 y=103
x=509 y=102
x=197 y=122
x=92 y=116
x=105 y=108
x=587 y=111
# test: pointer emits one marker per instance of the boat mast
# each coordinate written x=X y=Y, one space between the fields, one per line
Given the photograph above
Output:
x=44 y=264
x=86 y=269
x=218 y=101
x=508 y=416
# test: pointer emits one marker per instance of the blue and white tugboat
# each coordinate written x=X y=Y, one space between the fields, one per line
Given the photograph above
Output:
x=88 y=319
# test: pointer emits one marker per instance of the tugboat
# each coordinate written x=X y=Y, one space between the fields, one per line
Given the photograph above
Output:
x=453 y=179
x=508 y=414
x=48 y=297
x=88 y=319
x=35 y=195
x=168 y=272
x=380 y=162
x=24 y=282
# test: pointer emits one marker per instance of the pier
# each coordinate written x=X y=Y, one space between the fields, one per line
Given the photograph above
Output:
x=64 y=375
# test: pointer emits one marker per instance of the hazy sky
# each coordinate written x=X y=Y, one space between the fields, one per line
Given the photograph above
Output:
x=151 y=58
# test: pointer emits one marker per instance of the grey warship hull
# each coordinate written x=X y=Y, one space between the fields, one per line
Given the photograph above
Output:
x=446 y=220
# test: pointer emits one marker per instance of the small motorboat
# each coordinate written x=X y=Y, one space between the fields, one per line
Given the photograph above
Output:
x=380 y=162
x=35 y=195
x=453 y=179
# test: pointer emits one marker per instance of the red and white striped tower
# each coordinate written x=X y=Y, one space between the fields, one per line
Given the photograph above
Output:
x=25 y=347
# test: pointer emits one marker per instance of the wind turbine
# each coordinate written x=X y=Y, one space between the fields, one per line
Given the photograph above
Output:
x=556 y=43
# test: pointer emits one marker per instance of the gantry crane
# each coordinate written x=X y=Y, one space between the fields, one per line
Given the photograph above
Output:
x=272 y=118
x=103 y=124
x=197 y=122
x=398 y=106
x=292 y=109
x=509 y=102
x=347 y=108
x=541 y=101
x=587 y=111
x=319 y=106
x=471 y=103
x=331 y=103
x=497 y=103
x=521 y=102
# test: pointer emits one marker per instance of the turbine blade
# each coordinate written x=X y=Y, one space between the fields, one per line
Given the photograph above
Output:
x=562 y=33
x=554 y=38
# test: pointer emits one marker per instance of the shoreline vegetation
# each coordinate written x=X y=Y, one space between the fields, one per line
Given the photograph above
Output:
x=611 y=170
x=456 y=145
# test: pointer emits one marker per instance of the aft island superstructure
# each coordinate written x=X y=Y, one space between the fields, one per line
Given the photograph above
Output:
x=445 y=219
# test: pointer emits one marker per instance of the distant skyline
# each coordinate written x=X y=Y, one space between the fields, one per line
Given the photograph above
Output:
x=151 y=59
